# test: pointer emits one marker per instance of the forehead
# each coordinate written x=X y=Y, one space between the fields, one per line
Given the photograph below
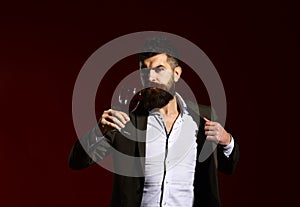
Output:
x=160 y=59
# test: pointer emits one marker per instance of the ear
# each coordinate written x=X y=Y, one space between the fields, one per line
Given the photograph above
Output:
x=177 y=73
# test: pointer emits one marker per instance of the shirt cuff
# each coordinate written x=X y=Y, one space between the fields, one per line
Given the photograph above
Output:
x=227 y=150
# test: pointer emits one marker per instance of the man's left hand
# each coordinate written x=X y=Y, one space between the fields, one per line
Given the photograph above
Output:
x=215 y=132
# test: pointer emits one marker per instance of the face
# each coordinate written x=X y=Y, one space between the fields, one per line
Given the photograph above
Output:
x=159 y=79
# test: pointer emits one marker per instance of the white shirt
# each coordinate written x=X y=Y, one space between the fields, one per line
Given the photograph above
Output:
x=170 y=160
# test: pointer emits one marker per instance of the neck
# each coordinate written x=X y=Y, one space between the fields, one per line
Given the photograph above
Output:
x=170 y=109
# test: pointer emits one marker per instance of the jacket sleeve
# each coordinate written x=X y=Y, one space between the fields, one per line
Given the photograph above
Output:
x=89 y=149
x=226 y=164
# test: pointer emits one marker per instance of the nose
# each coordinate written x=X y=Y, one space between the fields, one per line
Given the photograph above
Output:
x=152 y=76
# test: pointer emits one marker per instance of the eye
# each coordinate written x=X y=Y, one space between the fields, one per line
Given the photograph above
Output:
x=158 y=69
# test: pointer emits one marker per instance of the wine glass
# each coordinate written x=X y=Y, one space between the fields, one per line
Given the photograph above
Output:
x=125 y=99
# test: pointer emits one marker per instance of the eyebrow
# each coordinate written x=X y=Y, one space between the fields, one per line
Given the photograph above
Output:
x=160 y=66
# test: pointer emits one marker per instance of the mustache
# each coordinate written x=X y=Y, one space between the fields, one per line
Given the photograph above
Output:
x=156 y=86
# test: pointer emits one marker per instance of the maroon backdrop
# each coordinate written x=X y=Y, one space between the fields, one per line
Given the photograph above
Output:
x=44 y=45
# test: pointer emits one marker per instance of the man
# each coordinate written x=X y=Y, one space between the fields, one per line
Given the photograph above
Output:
x=168 y=134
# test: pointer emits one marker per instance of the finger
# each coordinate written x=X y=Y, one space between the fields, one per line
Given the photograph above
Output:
x=209 y=122
x=115 y=112
x=108 y=117
x=110 y=124
x=108 y=112
x=120 y=115
x=210 y=128
x=210 y=133
x=126 y=117
x=207 y=128
x=115 y=120
x=206 y=119
x=104 y=118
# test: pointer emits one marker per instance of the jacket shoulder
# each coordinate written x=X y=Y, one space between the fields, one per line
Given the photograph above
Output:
x=201 y=110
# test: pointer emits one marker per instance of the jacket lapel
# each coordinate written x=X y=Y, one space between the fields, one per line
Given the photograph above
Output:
x=139 y=120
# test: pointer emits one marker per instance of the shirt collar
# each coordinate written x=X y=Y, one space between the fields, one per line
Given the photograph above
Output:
x=182 y=105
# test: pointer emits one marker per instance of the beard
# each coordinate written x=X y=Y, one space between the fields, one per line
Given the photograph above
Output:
x=157 y=95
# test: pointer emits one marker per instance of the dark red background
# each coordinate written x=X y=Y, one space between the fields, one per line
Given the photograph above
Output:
x=44 y=45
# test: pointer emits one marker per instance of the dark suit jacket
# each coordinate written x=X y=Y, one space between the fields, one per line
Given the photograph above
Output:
x=127 y=191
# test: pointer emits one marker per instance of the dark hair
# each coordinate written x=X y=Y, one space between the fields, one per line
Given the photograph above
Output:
x=173 y=62
x=159 y=45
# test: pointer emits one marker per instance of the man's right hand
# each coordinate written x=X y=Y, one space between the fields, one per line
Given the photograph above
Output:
x=113 y=119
